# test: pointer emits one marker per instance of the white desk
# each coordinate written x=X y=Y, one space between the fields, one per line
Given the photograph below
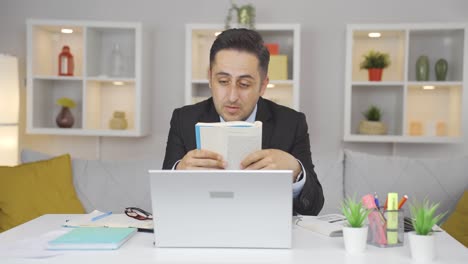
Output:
x=308 y=247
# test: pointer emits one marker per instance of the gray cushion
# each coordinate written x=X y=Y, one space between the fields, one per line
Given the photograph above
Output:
x=107 y=185
x=440 y=180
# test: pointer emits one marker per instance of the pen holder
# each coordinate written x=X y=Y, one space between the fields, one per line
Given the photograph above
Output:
x=386 y=228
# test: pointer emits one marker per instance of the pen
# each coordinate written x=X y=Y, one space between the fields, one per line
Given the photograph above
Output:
x=402 y=201
x=376 y=198
x=100 y=216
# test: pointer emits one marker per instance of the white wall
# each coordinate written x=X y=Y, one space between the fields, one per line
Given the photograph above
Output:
x=322 y=63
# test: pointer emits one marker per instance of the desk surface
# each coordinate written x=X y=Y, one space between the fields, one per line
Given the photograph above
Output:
x=308 y=247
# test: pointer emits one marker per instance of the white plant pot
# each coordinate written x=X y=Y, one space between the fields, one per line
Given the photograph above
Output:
x=422 y=248
x=355 y=239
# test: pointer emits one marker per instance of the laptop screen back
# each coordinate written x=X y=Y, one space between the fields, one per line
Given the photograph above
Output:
x=248 y=209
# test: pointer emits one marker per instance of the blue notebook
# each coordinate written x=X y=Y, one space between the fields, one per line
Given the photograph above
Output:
x=92 y=238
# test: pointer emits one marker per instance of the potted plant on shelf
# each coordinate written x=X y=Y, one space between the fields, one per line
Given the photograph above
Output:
x=354 y=232
x=375 y=62
x=372 y=124
x=65 y=117
x=422 y=240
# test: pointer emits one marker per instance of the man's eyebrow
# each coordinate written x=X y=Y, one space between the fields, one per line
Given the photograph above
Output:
x=245 y=76
x=223 y=73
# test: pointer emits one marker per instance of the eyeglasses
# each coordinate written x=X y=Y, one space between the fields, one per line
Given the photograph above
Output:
x=138 y=213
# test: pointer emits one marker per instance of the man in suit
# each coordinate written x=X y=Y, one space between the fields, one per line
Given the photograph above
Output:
x=238 y=78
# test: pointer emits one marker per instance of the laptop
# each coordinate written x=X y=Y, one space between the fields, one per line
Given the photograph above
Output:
x=222 y=208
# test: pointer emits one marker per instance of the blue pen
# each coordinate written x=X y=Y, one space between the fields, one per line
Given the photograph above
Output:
x=376 y=198
x=100 y=216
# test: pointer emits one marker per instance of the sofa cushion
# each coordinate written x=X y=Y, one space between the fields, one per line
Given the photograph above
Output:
x=108 y=185
x=33 y=189
x=456 y=225
x=440 y=180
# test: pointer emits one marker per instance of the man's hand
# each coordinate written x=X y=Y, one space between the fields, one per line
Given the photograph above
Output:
x=272 y=159
x=199 y=159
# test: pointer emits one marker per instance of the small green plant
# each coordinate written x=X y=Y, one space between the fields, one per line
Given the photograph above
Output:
x=354 y=211
x=375 y=59
x=373 y=113
x=66 y=102
x=423 y=218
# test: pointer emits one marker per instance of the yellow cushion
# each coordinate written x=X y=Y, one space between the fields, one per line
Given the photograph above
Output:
x=456 y=225
x=33 y=189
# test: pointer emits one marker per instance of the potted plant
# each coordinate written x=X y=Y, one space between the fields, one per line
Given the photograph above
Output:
x=354 y=232
x=375 y=62
x=65 y=118
x=372 y=124
x=422 y=240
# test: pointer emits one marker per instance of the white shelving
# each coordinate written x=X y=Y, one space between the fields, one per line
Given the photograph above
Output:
x=200 y=37
x=404 y=101
x=96 y=92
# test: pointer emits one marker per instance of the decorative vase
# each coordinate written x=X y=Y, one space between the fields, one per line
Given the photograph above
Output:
x=355 y=239
x=422 y=68
x=66 y=63
x=116 y=61
x=375 y=74
x=422 y=248
x=65 y=118
x=372 y=128
x=441 y=68
x=118 y=121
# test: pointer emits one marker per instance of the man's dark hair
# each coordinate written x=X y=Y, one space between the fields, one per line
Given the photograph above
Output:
x=242 y=39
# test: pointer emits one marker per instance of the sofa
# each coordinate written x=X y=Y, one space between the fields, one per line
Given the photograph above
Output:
x=114 y=185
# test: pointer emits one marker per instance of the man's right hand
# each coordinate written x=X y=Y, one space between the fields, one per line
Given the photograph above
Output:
x=199 y=159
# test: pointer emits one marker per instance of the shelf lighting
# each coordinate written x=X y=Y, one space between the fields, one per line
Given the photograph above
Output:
x=66 y=30
x=9 y=110
x=118 y=83
x=270 y=85
x=217 y=33
x=428 y=87
x=374 y=35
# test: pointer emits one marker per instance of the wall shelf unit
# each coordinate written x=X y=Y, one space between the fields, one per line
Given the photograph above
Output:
x=413 y=111
x=200 y=37
x=97 y=88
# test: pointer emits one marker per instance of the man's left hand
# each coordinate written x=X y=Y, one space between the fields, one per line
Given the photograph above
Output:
x=271 y=159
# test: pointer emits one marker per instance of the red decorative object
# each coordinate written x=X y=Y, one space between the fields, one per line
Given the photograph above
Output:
x=375 y=74
x=273 y=48
x=65 y=62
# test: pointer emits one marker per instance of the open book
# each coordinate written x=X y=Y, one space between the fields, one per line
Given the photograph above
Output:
x=111 y=220
x=328 y=225
x=233 y=140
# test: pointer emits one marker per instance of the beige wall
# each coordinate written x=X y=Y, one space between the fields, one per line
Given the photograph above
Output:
x=322 y=63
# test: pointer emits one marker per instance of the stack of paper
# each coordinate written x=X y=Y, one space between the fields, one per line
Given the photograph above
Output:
x=92 y=238
x=329 y=225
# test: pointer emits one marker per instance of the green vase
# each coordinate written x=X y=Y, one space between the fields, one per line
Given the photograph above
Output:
x=441 y=68
x=422 y=68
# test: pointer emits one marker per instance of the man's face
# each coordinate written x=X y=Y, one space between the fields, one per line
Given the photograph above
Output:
x=236 y=84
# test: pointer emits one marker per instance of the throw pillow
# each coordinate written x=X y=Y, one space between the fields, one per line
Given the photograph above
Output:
x=456 y=224
x=30 y=190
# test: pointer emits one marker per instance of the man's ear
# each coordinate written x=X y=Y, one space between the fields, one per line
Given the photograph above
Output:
x=263 y=85
x=209 y=78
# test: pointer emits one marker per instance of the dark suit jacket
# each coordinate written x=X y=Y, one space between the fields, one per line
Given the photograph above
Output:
x=283 y=128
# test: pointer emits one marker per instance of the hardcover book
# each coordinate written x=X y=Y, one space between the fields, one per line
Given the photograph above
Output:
x=92 y=238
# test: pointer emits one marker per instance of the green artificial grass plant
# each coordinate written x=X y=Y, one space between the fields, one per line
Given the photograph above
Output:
x=423 y=216
x=354 y=211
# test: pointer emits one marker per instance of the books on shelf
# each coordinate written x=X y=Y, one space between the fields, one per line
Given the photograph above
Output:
x=233 y=140
x=90 y=238
x=329 y=225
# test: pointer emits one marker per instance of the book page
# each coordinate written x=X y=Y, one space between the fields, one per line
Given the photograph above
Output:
x=238 y=147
